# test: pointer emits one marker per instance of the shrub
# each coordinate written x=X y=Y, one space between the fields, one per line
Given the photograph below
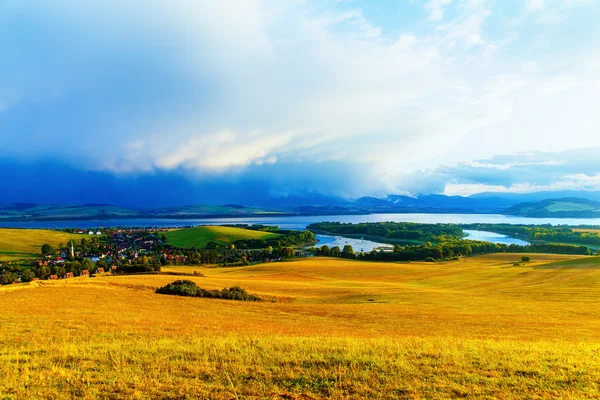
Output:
x=189 y=288
x=181 y=288
x=525 y=258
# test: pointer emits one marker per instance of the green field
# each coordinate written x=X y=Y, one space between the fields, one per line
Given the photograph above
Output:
x=563 y=206
x=481 y=328
x=23 y=243
x=200 y=236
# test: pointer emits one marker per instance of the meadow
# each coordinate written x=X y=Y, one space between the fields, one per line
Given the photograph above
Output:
x=200 y=236
x=482 y=327
x=23 y=243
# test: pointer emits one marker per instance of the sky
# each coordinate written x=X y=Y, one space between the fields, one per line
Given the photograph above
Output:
x=151 y=103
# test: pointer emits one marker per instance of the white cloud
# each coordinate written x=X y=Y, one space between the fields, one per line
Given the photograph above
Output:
x=436 y=9
x=534 y=5
x=219 y=85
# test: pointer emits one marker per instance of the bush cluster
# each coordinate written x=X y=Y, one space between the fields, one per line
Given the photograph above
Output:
x=189 y=288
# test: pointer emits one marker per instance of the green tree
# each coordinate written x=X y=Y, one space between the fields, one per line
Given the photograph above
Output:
x=27 y=275
x=43 y=272
x=84 y=244
x=287 y=252
x=348 y=251
x=8 y=277
x=335 y=251
x=48 y=249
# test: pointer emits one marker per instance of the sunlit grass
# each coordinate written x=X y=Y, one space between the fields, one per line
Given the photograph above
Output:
x=478 y=328
x=23 y=243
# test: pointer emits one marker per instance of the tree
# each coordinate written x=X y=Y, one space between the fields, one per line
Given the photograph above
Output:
x=525 y=258
x=27 y=275
x=287 y=252
x=47 y=249
x=43 y=272
x=8 y=277
x=84 y=243
x=335 y=251
x=348 y=251
x=88 y=264
x=324 y=250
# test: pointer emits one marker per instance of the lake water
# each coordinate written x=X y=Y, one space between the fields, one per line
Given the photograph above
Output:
x=493 y=237
x=359 y=245
x=304 y=221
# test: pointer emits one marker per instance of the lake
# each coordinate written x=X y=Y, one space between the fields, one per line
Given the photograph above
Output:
x=493 y=237
x=303 y=221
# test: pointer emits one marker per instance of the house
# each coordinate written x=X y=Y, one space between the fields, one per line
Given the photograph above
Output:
x=85 y=272
x=69 y=275
x=53 y=277
x=100 y=270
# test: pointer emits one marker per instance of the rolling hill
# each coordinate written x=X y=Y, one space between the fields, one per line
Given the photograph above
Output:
x=477 y=328
x=23 y=243
x=200 y=236
x=571 y=207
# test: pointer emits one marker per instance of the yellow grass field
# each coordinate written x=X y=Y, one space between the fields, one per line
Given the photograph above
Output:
x=20 y=243
x=591 y=230
x=475 y=328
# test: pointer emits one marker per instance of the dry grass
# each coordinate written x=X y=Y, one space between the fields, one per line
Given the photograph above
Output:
x=479 y=328
x=20 y=243
x=591 y=230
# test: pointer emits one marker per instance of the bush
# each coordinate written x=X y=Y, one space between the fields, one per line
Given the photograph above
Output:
x=181 y=288
x=525 y=258
x=189 y=288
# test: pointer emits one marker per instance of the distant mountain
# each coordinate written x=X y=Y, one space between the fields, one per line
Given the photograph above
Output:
x=37 y=212
x=435 y=203
x=570 y=207
x=583 y=205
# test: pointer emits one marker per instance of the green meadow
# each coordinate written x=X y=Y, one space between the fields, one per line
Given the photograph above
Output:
x=199 y=237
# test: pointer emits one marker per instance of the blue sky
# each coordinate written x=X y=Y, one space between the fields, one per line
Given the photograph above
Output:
x=226 y=100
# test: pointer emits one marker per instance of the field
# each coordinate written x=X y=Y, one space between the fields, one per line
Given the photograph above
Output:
x=199 y=237
x=475 y=328
x=591 y=230
x=22 y=243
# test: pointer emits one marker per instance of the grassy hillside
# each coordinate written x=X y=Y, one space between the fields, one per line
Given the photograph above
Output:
x=557 y=208
x=20 y=243
x=200 y=236
x=208 y=210
x=60 y=211
x=477 y=328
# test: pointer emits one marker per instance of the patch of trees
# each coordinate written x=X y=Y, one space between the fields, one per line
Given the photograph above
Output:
x=189 y=288
x=393 y=230
x=288 y=238
x=449 y=250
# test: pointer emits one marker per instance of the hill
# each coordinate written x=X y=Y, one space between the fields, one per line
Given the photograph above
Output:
x=478 y=328
x=571 y=207
x=55 y=212
x=22 y=243
x=200 y=236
